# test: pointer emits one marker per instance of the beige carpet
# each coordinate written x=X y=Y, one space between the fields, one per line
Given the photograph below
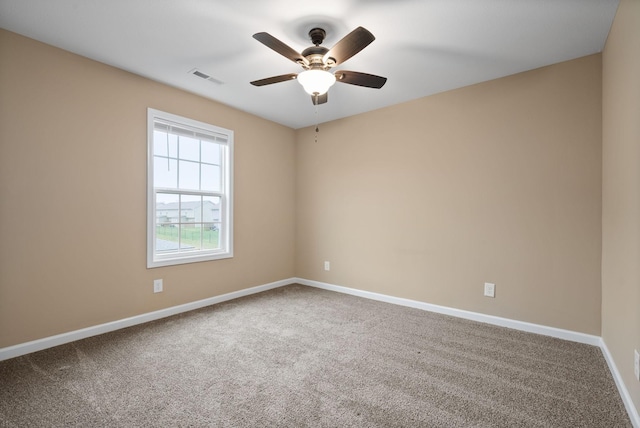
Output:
x=302 y=357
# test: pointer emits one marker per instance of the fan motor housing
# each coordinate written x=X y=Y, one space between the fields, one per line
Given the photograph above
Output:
x=314 y=55
x=314 y=50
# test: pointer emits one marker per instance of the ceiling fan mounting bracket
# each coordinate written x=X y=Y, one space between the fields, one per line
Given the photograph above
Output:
x=317 y=36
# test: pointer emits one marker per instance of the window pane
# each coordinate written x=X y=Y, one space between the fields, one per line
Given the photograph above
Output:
x=173 y=146
x=191 y=208
x=163 y=142
x=166 y=208
x=210 y=236
x=189 y=149
x=211 y=152
x=167 y=229
x=211 y=209
x=189 y=176
x=160 y=143
x=191 y=236
x=165 y=173
x=211 y=178
x=167 y=238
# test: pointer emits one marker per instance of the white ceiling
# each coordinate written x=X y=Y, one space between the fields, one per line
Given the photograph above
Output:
x=422 y=46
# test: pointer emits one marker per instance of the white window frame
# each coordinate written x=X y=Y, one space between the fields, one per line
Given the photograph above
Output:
x=226 y=194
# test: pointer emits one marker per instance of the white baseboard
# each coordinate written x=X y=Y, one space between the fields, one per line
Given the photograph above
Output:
x=459 y=313
x=622 y=389
x=49 y=342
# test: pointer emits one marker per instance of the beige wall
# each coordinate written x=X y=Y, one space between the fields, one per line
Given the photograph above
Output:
x=621 y=192
x=73 y=195
x=497 y=182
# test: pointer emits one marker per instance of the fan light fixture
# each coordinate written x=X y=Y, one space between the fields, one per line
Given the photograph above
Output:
x=316 y=82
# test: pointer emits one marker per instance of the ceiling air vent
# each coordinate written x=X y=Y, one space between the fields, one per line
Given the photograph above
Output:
x=204 y=76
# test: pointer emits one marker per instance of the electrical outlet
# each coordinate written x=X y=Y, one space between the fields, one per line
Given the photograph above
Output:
x=636 y=364
x=489 y=289
x=157 y=286
x=327 y=266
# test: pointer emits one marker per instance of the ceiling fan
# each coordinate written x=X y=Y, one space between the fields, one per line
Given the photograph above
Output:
x=317 y=60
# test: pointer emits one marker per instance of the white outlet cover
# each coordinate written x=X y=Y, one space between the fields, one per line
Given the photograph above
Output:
x=636 y=364
x=489 y=289
x=157 y=285
x=327 y=266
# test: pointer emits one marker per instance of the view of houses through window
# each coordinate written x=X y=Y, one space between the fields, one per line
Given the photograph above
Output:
x=191 y=222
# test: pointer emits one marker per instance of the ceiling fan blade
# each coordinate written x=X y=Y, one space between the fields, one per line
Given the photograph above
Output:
x=271 y=42
x=350 y=45
x=320 y=99
x=274 y=79
x=360 y=79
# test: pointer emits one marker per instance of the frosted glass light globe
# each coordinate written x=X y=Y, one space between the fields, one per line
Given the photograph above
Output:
x=316 y=82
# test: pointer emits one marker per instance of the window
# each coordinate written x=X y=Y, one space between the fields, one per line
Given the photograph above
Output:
x=189 y=191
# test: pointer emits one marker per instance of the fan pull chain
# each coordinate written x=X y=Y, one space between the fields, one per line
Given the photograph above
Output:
x=316 y=110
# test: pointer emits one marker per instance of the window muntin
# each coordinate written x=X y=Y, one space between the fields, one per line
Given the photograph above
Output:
x=189 y=191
